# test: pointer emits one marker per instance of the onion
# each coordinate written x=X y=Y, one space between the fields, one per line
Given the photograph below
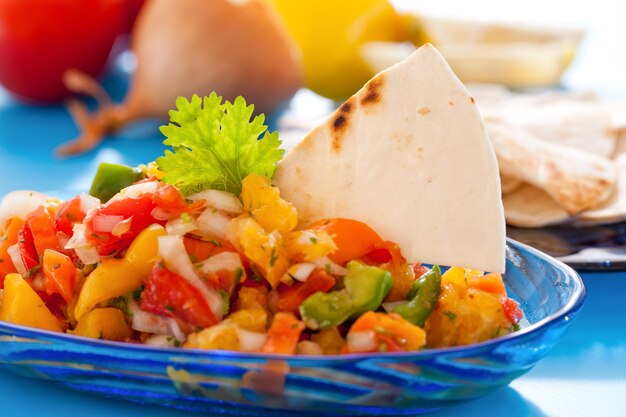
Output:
x=136 y=190
x=180 y=226
x=326 y=264
x=361 y=341
x=88 y=202
x=153 y=323
x=160 y=214
x=84 y=250
x=16 y=258
x=105 y=223
x=224 y=261
x=172 y=250
x=233 y=48
x=19 y=204
x=122 y=227
x=391 y=305
x=161 y=340
x=220 y=200
x=212 y=223
x=301 y=272
x=250 y=341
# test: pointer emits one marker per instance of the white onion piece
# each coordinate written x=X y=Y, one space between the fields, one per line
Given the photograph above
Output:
x=391 y=305
x=78 y=239
x=361 y=341
x=172 y=250
x=160 y=214
x=306 y=237
x=180 y=226
x=301 y=272
x=88 y=202
x=105 y=223
x=16 y=258
x=325 y=263
x=221 y=200
x=224 y=261
x=307 y=347
x=153 y=323
x=213 y=223
x=122 y=227
x=88 y=255
x=250 y=341
x=19 y=204
x=136 y=190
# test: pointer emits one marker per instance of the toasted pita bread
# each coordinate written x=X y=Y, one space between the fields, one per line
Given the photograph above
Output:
x=408 y=155
x=529 y=206
x=614 y=209
x=509 y=183
x=575 y=179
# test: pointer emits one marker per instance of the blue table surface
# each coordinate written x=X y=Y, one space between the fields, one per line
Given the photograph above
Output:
x=584 y=375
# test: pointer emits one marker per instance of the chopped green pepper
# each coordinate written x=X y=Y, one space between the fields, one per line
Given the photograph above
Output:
x=111 y=178
x=423 y=298
x=365 y=287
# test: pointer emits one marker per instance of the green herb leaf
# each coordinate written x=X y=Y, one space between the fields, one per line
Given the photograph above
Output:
x=216 y=145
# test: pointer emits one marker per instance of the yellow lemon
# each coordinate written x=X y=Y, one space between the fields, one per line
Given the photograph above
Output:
x=331 y=33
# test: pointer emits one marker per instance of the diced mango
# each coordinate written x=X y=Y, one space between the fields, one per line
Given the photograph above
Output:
x=264 y=204
x=308 y=245
x=329 y=340
x=104 y=323
x=21 y=305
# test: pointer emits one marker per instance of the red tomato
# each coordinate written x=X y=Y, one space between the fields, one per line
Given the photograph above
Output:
x=68 y=213
x=41 y=224
x=512 y=311
x=28 y=251
x=169 y=294
x=136 y=211
x=290 y=298
x=41 y=39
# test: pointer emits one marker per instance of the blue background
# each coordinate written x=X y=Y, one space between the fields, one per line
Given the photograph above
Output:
x=584 y=375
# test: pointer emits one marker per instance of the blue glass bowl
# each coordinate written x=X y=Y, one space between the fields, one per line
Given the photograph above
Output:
x=549 y=292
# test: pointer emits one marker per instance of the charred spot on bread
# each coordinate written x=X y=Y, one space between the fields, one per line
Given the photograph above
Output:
x=372 y=91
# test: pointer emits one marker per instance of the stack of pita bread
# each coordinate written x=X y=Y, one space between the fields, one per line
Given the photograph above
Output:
x=561 y=155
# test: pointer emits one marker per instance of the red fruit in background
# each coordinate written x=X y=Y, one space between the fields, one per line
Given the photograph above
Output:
x=40 y=39
x=133 y=9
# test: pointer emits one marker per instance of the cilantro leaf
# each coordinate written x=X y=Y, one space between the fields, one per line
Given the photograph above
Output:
x=216 y=145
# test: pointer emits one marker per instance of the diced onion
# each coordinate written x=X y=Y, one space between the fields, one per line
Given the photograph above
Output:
x=16 y=258
x=153 y=323
x=136 y=190
x=161 y=340
x=19 y=204
x=221 y=200
x=307 y=347
x=88 y=202
x=306 y=237
x=122 y=227
x=361 y=341
x=172 y=250
x=180 y=226
x=88 y=255
x=160 y=214
x=390 y=306
x=224 y=261
x=301 y=272
x=84 y=250
x=326 y=264
x=250 y=341
x=213 y=223
x=105 y=223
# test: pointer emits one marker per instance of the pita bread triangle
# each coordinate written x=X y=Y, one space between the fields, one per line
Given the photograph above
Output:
x=408 y=155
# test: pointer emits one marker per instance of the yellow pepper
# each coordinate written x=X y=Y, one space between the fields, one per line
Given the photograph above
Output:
x=104 y=323
x=115 y=277
x=21 y=305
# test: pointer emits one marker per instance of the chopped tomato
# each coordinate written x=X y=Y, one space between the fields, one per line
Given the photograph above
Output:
x=390 y=333
x=9 y=239
x=492 y=283
x=169 y=200
x=59 y=274
x=41 y=224
x=283 y=334
x=353 y=238
x=290 y=298
x=69 y=213
x=387 y=255
x=419 y=270
x=28 y=251
x=168 y=294
x=512 y=311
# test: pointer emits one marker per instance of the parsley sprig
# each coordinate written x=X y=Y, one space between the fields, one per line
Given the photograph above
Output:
x=216 y=145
